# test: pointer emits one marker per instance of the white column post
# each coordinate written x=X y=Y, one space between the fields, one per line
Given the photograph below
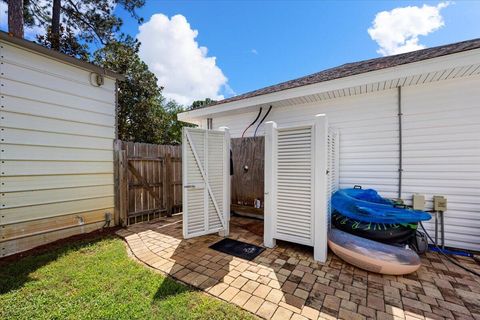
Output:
x=226 y=182
x=270 y=183
x=203 y=124
x=184 y=183
x=320 y=218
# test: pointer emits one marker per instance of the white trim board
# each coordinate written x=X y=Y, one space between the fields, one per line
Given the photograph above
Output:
x=436 y=69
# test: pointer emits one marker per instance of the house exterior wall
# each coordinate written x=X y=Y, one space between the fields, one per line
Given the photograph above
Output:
x=441 y=145
x=57 y=133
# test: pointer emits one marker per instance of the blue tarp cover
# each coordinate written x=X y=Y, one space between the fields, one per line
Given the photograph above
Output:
x=368 y=206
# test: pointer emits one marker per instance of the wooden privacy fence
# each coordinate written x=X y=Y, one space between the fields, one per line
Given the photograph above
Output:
x=248 y=156
x=148 y=179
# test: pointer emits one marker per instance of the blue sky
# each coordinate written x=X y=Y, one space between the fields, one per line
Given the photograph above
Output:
x=259 y=43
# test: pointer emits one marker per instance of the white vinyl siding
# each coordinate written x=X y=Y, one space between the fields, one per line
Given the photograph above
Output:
x=57 y=132
x=368 y=130
x=442 y=154
x=441 y=133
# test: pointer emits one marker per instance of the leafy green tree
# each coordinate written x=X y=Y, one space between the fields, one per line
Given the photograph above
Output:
x=172 y=128
x=78 y=21
x=67 y=43
x=141 y=115
x=139 y=97
x=201 y=103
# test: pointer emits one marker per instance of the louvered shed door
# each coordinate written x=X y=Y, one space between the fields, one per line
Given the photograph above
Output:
x=294 y=179
x=205 y=182
x=332 y=168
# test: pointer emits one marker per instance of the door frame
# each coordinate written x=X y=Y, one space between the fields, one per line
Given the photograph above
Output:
x=320 y=214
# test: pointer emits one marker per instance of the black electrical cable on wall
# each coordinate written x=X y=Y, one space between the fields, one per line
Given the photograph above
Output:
x=264 y=117
x=251 y=124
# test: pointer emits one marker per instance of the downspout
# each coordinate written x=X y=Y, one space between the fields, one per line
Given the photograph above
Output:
x=400 y=143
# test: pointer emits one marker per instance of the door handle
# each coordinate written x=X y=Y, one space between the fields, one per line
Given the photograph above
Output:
x=194 y=186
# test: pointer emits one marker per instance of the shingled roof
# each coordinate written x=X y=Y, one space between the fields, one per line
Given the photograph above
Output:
x=354 y=68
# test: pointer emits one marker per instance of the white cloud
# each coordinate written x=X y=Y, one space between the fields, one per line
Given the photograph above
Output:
x=397 y=31
x=228 y=90
x=254 y=51
x=182 y=66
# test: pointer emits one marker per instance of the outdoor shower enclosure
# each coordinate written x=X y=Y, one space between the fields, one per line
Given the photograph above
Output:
x=300 y=175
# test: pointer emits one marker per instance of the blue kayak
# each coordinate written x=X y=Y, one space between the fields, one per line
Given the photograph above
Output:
x=368 y=206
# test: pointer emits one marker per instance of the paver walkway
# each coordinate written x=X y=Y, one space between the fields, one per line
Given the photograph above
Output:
x=286 y=283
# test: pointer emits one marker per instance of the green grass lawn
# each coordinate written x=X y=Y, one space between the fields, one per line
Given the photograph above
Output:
x=95 y=279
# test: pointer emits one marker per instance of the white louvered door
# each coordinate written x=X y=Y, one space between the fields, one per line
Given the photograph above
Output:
x=206 y=182
x=294 y=170
x=332 y=168
x=298 y=182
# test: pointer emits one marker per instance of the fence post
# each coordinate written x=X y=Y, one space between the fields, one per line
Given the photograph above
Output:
x=117 y=146
x=122 y=187
x=168 y=183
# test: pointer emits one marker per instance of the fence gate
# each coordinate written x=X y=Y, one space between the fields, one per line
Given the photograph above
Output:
x=148 y=179
x=206 y=182
x=297 y=184
x=248 y=175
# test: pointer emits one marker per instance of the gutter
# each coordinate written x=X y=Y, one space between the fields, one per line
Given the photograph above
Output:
x=393 y=74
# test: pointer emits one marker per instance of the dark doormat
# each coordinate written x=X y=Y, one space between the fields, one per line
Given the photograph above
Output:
x=237 y=248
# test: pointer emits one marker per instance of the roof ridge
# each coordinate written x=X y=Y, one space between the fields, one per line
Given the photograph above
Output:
x=359 y=67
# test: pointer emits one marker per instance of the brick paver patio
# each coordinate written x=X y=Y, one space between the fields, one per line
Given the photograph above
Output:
x=286 y=283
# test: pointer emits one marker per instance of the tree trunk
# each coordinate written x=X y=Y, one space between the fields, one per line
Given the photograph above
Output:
x=15 y=17
x=56 y=25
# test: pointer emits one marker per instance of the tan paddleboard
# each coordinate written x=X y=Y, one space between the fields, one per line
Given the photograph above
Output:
x=371 y=255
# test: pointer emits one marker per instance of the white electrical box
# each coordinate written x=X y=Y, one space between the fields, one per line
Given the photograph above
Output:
x=439 y=203
x=419 y=202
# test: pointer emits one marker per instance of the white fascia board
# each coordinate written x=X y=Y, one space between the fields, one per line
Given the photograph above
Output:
x=406 y=70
